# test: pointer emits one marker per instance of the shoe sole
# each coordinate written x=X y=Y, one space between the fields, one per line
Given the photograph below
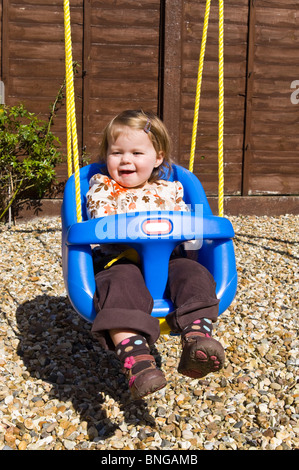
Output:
x=200 y=357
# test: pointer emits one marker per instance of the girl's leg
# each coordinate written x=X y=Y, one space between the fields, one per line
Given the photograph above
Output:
x=119 y=335
x=123 y=301
x=192 y=290
x=139 y=365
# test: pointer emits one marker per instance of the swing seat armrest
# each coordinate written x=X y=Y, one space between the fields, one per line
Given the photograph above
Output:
x=146 y=226
x=217 y=228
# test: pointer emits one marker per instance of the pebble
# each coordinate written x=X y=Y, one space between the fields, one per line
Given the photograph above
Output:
x=186 y=434
x=60 y=391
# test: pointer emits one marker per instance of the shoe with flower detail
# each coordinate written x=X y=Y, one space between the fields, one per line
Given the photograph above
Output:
x=145 y=380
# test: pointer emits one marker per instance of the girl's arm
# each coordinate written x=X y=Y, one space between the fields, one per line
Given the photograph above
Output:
x=100 y=197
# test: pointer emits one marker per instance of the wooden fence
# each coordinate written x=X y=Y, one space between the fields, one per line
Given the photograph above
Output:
x=144 y=54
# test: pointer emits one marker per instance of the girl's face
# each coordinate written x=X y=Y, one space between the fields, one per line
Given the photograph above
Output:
x=132 y=157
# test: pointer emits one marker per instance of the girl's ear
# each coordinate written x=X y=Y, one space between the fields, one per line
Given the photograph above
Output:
x=160 y=158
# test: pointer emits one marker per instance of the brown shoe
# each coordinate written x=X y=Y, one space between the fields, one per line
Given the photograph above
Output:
x=200 y=356
x=146 y=381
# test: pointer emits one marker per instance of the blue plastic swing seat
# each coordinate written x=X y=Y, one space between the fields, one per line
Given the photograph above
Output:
x=154 y=235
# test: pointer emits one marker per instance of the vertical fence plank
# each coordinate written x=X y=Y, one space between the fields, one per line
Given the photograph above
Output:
x=247 y=151
x=172 y=72
x=86 y=72
x=4 y=46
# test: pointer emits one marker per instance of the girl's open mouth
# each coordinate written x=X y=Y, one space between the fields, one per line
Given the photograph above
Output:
x=127 y=172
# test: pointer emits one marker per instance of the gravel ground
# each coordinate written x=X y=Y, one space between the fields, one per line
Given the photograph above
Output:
x=59 y=390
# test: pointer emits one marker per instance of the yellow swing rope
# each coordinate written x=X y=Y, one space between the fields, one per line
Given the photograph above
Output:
x=221 y=110
x=72 y=138
x=221 y=99
x=199 y=82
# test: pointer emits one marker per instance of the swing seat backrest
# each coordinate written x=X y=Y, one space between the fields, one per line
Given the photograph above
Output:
x=216 y=234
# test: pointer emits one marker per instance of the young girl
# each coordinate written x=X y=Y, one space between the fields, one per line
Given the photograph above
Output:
x=135 y=147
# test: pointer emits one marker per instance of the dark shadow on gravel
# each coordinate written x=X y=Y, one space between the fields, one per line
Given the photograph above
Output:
x=56 y=346
x=256 y=241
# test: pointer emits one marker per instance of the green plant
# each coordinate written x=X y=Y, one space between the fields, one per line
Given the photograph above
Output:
x=29 y=153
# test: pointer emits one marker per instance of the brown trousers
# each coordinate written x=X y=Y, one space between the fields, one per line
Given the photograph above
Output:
x=123 y=301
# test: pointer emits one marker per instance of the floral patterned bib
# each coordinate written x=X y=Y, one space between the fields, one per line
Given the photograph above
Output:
x=106 y=197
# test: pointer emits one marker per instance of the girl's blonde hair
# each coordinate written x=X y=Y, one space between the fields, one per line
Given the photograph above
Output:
x=149 y=123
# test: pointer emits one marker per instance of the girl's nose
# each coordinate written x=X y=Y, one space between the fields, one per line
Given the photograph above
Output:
x=126 y=157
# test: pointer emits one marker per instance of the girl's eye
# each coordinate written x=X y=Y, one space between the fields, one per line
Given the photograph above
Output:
x=137 y=153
